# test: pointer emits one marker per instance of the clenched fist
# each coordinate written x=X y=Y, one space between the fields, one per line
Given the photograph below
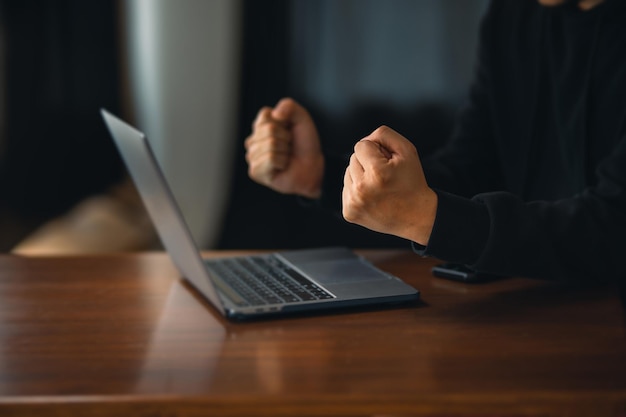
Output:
x=283 y=152
x=385 y=189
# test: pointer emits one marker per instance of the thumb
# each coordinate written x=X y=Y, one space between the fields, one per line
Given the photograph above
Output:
x=372 y=148
x=288 y=110
x=390 y=141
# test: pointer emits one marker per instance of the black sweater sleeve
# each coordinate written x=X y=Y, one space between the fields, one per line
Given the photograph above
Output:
x=582 y=238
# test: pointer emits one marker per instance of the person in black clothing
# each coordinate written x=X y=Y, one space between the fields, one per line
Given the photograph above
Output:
x=533 y=181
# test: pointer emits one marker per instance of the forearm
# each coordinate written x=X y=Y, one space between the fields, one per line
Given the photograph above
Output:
x=564 y=240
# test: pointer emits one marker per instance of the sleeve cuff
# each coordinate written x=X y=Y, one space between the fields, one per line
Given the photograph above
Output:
x=460 y=231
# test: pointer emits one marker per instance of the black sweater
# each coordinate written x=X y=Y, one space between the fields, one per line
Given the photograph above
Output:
x=533 y=182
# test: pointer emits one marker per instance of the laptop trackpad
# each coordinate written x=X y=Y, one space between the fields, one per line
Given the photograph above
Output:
x=342 y=271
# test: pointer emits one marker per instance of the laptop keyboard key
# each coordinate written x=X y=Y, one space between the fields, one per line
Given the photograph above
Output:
x=266 y=280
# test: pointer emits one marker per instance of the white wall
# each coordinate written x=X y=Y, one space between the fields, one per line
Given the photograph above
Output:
x=183 y=59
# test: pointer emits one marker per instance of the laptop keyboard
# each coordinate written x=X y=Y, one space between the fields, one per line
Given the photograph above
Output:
x=266 y=280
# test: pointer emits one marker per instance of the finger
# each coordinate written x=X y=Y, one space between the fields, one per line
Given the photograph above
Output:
x=355 y=163
x=270 y=131
x=268 y=145
x=347 y=178
x=263 y=116
x=271 y=162
x=372 y=149
x=288 y=110
x=391 y=141
x=261 y=173
x=264 y=169
x=347 y=202
x=278 y=159
x=369 y=154
x=347 y=186
x=386 y=153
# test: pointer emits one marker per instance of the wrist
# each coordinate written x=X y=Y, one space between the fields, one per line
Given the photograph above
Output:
x=313 y=190
x=424 y=220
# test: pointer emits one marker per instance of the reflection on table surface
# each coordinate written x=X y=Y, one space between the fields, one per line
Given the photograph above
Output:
x=115 y=333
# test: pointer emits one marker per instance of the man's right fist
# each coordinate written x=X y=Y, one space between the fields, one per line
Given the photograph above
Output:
x=283 y=151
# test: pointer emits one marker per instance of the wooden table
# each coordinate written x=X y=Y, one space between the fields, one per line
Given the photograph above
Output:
x=121 y=335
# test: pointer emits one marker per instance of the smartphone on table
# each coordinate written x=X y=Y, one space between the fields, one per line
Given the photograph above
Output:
x=461 y=273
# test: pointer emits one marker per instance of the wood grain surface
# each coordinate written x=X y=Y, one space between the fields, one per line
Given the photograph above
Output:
x=122 y=335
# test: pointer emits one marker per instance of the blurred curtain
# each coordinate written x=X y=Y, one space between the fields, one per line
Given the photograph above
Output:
x=258 y=217
x=61 y=66
x=183 y=70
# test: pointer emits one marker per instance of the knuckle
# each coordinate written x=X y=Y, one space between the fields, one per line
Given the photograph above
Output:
x=380 y=179
x=249 y=141
x=262 y=116
x=252 y=172
x=273 y=142
x=354 y=200
x=382 y=130
x=351 y=212
x=273 y=130
x=361 y=188
x=348 y=213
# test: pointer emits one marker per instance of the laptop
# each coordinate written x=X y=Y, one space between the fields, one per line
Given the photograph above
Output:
x=241 y=287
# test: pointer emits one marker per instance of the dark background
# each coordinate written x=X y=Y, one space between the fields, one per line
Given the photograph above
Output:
x=63 y=63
